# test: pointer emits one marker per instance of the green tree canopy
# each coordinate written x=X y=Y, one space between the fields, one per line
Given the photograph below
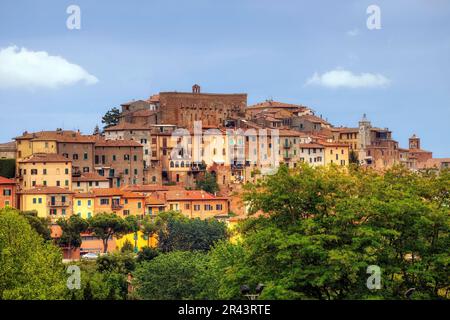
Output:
x=190 y=234
x=106 y=225
x=149 y=229
x=40 y=225
x=322 y=227
x=30 y=268
x=71 y=231
x=8 y=168
x=111 y=118
x=208 y=183
x=170 y=276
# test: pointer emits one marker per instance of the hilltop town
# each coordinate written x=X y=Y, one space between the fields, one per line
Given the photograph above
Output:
x=154 y=154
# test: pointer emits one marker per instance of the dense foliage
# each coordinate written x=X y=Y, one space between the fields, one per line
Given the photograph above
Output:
x=172 y=275
x=7 y=168
x=316 y=232
x=30 y=267
x=111 y=118
x=312 y=235
x=181 y=233
x=107 y=225
x=208 y=183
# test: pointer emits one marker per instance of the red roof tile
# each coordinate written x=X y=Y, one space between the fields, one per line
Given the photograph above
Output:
x=107 y=192
x=45 y=157
x=89 y=176
x=4 y=180
x=117 y=143
x=191 y=195
x=46 y=190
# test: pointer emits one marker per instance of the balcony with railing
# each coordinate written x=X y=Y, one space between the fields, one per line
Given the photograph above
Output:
x=194 y=167
x=116 y=206
x=59 y=203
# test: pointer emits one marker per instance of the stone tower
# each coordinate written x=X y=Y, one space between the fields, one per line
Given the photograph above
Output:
x=414 y=142
x=363 y=137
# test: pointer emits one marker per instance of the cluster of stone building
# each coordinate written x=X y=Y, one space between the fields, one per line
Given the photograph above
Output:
x=151 y=160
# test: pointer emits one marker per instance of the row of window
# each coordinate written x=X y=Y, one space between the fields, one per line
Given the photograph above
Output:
x=342 y=151
x=44 y=183
x=89 y=203
x=90 y=183
x=54 y=212
x=103 y=158
x=197 y=207
x=89 y=214
x=34 y=172
x=75 y=156
x=52 y=200
x=105 y=202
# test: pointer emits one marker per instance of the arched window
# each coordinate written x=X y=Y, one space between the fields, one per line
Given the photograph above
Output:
x=171 y=164
x=182 y=164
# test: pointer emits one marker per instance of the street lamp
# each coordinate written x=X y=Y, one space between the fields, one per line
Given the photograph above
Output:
x=245 y=291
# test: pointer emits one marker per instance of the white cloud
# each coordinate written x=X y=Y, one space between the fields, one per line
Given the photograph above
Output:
x=353 y=32
x=22 y=68
x=343 y=78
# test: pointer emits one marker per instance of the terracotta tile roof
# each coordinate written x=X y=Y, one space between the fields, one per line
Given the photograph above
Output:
x=154 y=98
x=9 y=146
x=133 y=195
x=46 y=134
x=107 y=192
x=270 y=118
x=333 y=144
x=45 y=157
x=311 y=145
x=191 y=195
x=84 y=195
x=117 y=143
x=292 y=133
x=131 y=102
x=275 y=104
x=128 y=126
x=66 y=136
x=314 y=119
x=78 y=139
x=46 y=190
x=89 y=176
x=154 y=201
x=4 y=180
x=145 y=188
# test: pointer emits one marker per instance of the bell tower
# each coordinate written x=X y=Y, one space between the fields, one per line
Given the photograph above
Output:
x=195 y=88
x=414 y=142
x=364 y=138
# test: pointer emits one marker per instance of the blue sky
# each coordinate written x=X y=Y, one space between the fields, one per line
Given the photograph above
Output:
x=269 y=49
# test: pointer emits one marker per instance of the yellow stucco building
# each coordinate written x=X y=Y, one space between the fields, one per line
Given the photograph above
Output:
x=83 y=205
x=48 y=202
x=336 y=153
x=47 y=170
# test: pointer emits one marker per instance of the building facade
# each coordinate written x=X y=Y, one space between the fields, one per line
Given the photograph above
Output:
x=7 y=193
